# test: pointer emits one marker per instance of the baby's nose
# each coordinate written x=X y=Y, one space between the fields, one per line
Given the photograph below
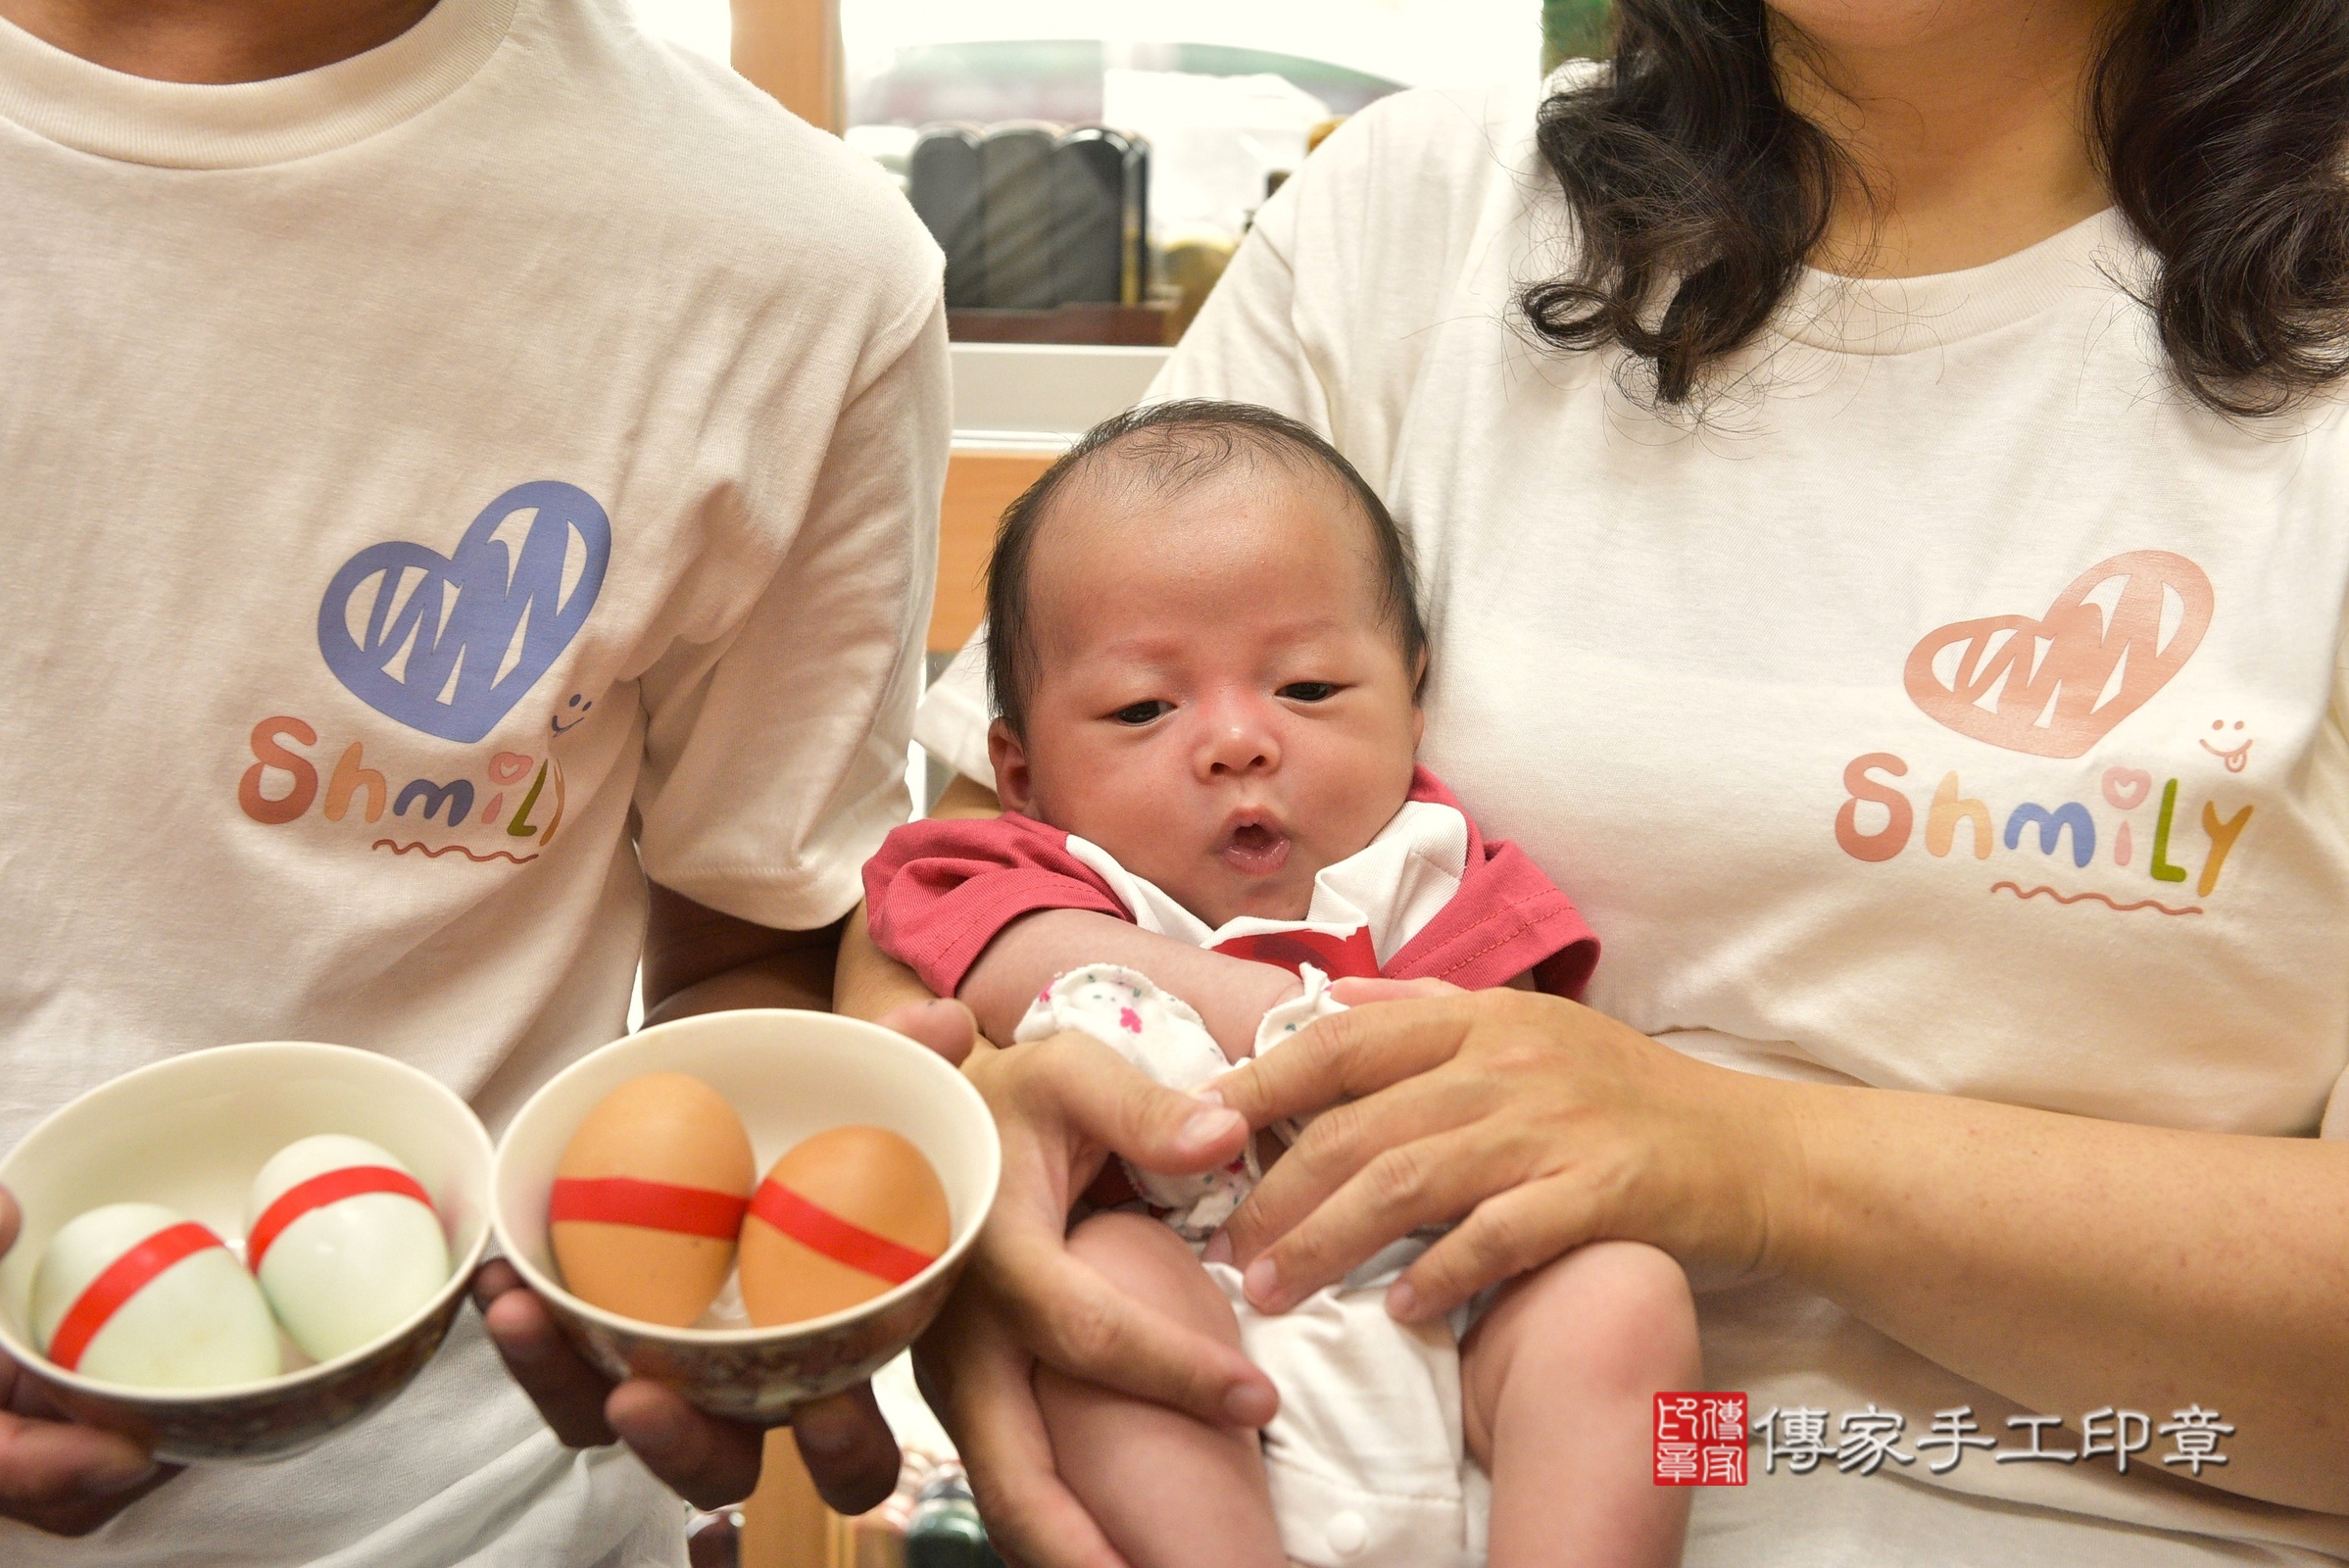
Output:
x=1240 y=739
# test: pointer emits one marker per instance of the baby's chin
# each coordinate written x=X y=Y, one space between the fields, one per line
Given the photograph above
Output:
x=1219 y=895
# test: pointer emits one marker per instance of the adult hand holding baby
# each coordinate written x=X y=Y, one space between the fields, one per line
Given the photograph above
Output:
x=1534 y=1123
x=56 y=1475
x=1064 y=1106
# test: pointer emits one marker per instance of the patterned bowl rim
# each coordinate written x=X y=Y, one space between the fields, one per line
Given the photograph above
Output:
x=461 y=1270
x=951 y=1084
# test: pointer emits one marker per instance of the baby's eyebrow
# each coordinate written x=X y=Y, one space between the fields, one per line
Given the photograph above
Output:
x=1157 y=653
x=1305 y=630
x=1170 y=649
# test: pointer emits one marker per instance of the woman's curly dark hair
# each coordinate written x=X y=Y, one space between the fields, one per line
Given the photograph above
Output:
x=2221 y=127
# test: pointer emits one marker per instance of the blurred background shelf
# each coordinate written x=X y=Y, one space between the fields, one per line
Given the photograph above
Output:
x=1044 y=395
x=1121 y=325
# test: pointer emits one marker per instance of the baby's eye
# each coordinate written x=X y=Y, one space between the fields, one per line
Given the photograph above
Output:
x=1141 y=712
x=1309 y=691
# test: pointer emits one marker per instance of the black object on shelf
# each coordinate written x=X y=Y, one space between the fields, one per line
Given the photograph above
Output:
x=1015 y=214
x=1099 y=218
x=944 y=180
x=1032 y=218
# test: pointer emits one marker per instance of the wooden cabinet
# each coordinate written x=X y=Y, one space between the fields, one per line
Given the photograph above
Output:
x=979 y=483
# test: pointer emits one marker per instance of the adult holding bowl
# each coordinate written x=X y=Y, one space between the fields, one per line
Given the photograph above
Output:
x=463 y=461
x=1878 y=472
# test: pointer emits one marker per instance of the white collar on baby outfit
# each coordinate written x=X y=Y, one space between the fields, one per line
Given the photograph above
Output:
x=1394 y=885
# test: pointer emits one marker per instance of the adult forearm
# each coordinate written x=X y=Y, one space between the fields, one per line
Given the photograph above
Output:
x=801 y=978
x=869 y=982
x=699 y=959
x=1230 y=993
x=2073 y=1263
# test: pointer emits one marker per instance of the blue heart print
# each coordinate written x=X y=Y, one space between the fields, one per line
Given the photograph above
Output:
x=449 y=644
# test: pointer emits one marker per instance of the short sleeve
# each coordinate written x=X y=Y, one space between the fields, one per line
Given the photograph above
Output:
x=1243 y=345
x=938 y=891
x=774 y=769
x=1329 y=309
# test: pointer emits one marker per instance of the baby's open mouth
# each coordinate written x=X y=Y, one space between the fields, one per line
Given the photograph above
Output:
x=1256 y=849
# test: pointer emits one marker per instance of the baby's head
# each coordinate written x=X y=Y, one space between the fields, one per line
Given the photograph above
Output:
x=1206 y=645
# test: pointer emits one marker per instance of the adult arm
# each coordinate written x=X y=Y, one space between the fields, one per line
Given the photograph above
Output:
x=2070 y=1264
x=1062 y=1106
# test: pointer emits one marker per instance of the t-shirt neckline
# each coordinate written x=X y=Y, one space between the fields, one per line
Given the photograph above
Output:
x=1906 y=314
x=111 y=114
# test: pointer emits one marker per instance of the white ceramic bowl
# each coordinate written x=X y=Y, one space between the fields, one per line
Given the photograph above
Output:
x=788 y=1075
x=190 y=1133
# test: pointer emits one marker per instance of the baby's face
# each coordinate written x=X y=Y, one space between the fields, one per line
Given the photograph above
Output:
x=1218 y=701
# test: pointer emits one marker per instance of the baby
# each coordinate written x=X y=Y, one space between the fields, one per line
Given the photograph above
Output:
x=1207 y=653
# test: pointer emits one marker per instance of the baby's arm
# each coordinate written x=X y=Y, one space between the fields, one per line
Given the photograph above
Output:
x=1230 y=993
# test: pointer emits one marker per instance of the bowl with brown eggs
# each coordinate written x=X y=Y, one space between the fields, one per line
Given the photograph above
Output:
x=755 y=1207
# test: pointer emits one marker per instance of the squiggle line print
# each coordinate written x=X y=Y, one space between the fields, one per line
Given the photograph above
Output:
x=2142 y=904
x=434 y=855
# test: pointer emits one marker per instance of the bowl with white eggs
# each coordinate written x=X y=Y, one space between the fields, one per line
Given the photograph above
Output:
x=231 y=1254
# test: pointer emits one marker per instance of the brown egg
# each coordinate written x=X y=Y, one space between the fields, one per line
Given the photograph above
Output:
x=844 y=1216
x=648 y=1200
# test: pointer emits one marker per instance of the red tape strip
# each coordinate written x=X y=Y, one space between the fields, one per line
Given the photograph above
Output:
x=118 y=1283
x=819 y=1229
x=317 y=1193
x=650 y=1205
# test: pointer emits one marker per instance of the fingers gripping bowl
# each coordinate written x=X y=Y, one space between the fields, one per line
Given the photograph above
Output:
x=788 y=1075
x=190 y=1133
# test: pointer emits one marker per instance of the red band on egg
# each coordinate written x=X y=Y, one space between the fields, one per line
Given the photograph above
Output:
x=317 y=1193
x=118 y=1283
x=819 y=1229
x=650 y=1206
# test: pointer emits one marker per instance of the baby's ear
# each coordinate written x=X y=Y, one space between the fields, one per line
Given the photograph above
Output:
x=1010 y=759
x=1419 y=713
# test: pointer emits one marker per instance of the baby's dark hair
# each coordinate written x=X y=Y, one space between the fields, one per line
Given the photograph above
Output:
x=1169 y=447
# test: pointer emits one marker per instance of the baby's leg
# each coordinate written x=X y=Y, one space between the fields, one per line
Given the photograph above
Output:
x=1168 y=1489
x=1559 y=1384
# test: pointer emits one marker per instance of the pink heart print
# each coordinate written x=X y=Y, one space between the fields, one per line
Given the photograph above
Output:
x=2126 y=787
x=2056 y=685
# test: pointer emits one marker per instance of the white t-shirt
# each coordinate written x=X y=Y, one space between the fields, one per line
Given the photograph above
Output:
x=408 y=471
x=1960 y=710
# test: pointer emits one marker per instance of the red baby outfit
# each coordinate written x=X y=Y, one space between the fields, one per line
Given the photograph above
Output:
x=938 y=891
